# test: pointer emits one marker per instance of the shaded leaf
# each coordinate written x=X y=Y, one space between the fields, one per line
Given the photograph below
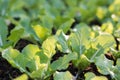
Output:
x=16 y=34
x=66 y=26
x=3 y=32
x=63 y=62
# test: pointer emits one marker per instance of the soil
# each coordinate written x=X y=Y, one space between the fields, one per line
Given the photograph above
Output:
x=7 y=72
x=21 y=44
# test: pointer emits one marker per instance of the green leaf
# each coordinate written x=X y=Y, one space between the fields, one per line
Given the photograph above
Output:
x=66 y=26
x=30 y=51
x=100 y=46
x=47 y=21
x=28 y=61
x=49 y=46
x=16 y=34
x=41 y=32
x=82 y=63
x=43 y=57
x=79 y=40
x=58 y=4
x=63 y=76
x=106 y=67
x=22 y=77
x=103 y=39
x=3 y=7
x=63 y=62
x=99 y=78
x=107 y=27
x=3 y=32
x=92 y=76
x=103 y=64
x=116 y=70
x=89 y=75
x=62 y=41
x=15 y=59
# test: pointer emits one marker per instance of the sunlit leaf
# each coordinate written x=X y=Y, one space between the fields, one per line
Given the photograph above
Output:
x=29 y=64
x=63 y=76
x=49 y=46
x=22 y=77
x=41 y=32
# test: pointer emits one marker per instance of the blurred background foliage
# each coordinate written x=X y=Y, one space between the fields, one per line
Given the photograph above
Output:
x=53 y=13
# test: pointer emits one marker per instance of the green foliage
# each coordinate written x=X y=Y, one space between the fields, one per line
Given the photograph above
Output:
x=16 y=34
x=62 y=63
x=63 y=76
x=3 y=32
x=92 y=76
x=106 y=66
x=22 y=77
x=64 y=33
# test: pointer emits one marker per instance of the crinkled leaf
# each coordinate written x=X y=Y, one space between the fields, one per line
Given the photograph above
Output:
x=63 y=76
x=63 y=62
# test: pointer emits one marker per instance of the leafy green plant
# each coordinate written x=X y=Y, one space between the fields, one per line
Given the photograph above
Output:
x=63 y=34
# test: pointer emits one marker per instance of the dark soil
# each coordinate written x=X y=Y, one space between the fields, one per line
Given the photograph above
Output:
x=10 y=27
x=7 y=72
x=21 y=44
